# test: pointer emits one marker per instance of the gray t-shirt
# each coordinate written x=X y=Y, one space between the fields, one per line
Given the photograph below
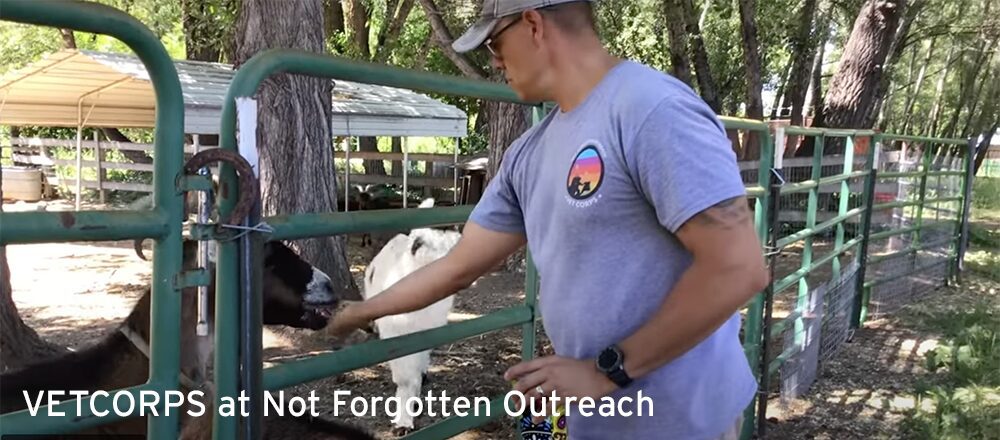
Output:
x=599 y=192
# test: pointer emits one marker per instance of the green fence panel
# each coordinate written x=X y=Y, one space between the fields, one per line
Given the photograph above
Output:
x=163 y=223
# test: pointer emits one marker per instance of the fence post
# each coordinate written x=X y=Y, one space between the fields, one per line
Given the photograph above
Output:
x=528 y=329
x=964 y=207
x=755 y=312
x=772 y=250
x=99 y=157
x=924 y=169
x=861 y=294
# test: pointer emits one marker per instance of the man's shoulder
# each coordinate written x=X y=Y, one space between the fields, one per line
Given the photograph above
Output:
x=524 y=142
x=645 y=93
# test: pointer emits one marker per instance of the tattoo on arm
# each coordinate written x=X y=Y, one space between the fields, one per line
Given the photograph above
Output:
x=726 y=214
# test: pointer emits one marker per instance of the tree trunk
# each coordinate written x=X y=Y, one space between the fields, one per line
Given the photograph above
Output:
x=294 y=138
x=397 y=165
x=702 y=67
x=19 y=344
x=896 y=48
x=506 y=121
x=850 y=102
x=816 y=84
x=815 y=98
x=803 y=50
x=680 y=64
x=984 y=146
x=987 y=78
x=392 y=27
x=911 y=96
x=373 y=167
x=930 y=128
x=780 y=94
x=333 y=17
x=69 y=40
x=969 y=87
x=752 y=65
x=356 y=13
x=886 y=116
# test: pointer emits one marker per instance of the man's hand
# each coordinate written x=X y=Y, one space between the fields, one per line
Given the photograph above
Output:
x=346 y=319
x=559 y=376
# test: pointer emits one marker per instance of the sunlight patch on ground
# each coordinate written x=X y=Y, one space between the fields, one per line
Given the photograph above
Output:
x=50 y=279
x=879 y=399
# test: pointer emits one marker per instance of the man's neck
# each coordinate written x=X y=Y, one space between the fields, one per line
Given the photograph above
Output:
x=579 y=72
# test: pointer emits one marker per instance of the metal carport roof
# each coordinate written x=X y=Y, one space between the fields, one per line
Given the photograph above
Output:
x=103 y=89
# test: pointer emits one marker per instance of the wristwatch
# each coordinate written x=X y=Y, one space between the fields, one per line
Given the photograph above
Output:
x=611 y=362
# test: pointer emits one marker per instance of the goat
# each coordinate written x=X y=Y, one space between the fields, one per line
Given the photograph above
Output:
x=402 y=255
x=295 y=294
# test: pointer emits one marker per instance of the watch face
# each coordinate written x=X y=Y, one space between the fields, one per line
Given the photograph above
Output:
x=607 y=359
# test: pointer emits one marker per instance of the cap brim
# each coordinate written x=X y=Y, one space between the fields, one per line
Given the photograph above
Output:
x=475 y=36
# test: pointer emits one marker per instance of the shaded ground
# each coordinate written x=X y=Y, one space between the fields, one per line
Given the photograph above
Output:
x=866 y=390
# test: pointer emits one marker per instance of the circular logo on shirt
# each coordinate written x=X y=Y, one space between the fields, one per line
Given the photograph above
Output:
x=586 y=174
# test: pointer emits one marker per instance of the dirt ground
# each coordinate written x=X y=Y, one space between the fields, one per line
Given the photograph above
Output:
x=73 y=294
x=865 y=391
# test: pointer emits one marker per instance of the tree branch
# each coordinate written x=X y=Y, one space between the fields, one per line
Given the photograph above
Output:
x=387 y=40
x=443 y=39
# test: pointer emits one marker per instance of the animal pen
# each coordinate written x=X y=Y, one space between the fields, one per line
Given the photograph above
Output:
x=861 y=253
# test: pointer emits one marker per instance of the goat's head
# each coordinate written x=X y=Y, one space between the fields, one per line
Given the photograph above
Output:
x=295 y=293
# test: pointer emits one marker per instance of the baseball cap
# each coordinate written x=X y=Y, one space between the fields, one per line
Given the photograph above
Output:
x=493 y=11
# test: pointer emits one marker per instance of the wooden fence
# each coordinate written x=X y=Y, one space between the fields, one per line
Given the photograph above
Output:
x=442 y=172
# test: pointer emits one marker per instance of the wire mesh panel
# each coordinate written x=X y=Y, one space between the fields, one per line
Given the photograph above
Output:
x=826 y=326
x=914 y=233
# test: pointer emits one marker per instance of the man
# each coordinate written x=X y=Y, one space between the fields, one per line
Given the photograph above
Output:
x=629 y=198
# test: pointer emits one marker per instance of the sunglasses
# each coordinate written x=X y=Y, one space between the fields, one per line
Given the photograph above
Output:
x=489 y=41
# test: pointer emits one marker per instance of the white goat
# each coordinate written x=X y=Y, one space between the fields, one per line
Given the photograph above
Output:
x=402 y=255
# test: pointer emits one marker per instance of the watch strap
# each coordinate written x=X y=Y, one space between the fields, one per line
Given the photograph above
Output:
x=619 y=377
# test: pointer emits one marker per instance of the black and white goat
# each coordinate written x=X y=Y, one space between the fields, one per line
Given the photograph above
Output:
x=402 y=255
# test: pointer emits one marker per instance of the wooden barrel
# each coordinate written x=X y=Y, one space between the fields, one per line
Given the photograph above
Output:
x=21 y=183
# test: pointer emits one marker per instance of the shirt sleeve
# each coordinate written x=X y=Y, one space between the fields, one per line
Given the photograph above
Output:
x=682 y=161
x=499 y=209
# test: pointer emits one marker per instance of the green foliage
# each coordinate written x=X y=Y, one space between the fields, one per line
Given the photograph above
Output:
x=634 y=30
x=986 y=198
x=964 y=400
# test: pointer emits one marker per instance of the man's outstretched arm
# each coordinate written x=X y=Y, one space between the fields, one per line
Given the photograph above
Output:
x=478 y=251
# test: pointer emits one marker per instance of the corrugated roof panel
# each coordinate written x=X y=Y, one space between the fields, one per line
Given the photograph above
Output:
x=64 y=76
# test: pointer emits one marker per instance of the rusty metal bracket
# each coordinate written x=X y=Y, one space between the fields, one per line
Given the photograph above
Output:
x=249 y=190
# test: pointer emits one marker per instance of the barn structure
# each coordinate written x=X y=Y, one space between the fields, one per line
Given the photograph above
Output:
x=81 y=88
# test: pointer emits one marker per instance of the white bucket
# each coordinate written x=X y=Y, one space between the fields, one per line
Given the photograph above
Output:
x=21 y=183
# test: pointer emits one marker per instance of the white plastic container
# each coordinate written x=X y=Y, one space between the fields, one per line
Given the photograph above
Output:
x=21 y=183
